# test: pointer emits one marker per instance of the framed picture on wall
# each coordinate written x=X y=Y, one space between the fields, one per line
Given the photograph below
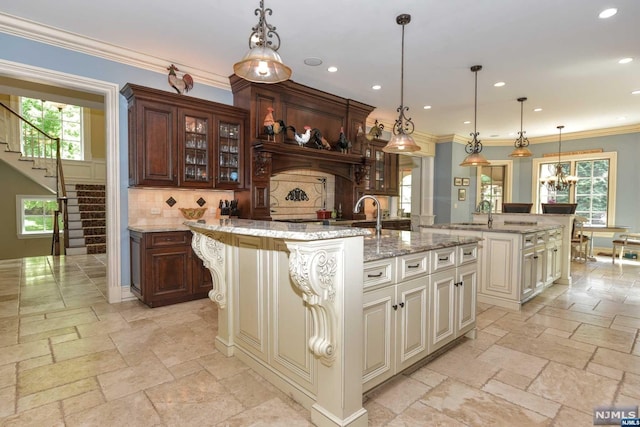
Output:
x=462 y=194
x=465 y=182
x=457 y=181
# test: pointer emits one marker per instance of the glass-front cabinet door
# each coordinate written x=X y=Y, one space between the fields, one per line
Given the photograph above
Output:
x=195 y=167
x=229 y=154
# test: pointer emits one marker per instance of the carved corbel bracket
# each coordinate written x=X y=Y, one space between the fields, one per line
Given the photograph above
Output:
x=313 y=271
x=209 y=247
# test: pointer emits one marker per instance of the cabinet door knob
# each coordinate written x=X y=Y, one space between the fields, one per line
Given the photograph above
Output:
x=395 y=306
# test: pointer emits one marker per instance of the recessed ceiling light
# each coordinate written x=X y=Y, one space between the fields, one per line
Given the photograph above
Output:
x=313 y=62
x=635 y=92
x=499 y=84
x=537 y=110
x=427 y=107
x=625 y=60
x=495 y=135
x=376 y=87
x=332 y=69
x=608 y=13
x=467 y=122
x=621 y=118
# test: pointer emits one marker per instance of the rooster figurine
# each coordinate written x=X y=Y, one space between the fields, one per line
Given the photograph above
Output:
x=343 y=143
x=181 y=84
x=268 y=124
x=301 y=138
x=319 y=140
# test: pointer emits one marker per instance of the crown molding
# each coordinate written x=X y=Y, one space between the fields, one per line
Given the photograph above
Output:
x=31 y=30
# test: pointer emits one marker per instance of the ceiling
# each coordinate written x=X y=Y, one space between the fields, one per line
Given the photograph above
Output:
x=558 y=54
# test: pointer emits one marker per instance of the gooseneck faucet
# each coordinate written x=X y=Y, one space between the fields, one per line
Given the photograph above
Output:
x=486 y=204
x=378 y=211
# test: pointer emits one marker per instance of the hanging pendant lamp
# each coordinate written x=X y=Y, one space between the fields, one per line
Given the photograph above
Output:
x=474 y=147
x=262 y=64
x=521 y=142
x=401 y=141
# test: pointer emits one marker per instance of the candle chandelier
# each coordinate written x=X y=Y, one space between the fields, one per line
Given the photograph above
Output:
x=521 y=142
x=262 y=64
x=474 y=147
x=558 y=180
x=401 y=141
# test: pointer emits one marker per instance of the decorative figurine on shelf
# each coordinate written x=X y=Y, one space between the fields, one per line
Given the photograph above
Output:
x=343 y=143
x=181 y=84
x=272 y=127
x=319 y=140
x=301 y=138
x=376 y=131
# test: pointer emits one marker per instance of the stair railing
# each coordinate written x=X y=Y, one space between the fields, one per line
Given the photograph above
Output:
x=44 y=150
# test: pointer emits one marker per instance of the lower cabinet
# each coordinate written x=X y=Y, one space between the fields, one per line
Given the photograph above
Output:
x=415 y=304
x=452 y=304
x=395 y=329
x=164 y=269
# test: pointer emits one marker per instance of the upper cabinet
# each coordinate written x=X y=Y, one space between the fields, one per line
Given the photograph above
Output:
x=381 y=175
x=179 y=141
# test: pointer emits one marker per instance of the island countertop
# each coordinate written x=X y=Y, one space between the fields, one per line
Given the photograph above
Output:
x=391 y=243
x=498 y=227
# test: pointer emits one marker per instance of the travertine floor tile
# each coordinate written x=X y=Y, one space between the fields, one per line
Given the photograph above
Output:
x=522 y=398
x=400 y=393
x=270 y=413
x=631 y=385
x=546 y=349
x=134 y=410
x=81 y=347
x=573 y=387
x=378 y=415
x=418 y=415
x=513 y=361
x=82 y=402
x=475 y=407
x=18 y=352
x=56 y=393
x=568 y=417
x=605 y=337
x=7 y=400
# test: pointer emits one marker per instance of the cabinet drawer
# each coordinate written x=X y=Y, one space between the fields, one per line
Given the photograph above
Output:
x=467 y=254
x=377 y=273
x=413 y=265
x=442 y=259
x=169 y=238
x=541 y=238
x=529 y=240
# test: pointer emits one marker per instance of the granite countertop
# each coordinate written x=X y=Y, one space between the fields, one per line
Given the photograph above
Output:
x=393 y=243
x=158 y=228
x=498 y=227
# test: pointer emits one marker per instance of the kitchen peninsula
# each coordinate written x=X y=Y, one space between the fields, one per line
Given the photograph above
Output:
x=290 y=300
x=521 y=254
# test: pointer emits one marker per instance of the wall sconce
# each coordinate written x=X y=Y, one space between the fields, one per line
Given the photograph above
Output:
x=262 y=64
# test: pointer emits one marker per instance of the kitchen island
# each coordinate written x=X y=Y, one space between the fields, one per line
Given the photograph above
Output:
x=290 y=303
x=518 y=258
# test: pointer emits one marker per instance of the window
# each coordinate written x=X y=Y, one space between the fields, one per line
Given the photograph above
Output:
x=36 y=215
x=56 y=120
x=595 y=190
x=493 y=183
x=405 y=190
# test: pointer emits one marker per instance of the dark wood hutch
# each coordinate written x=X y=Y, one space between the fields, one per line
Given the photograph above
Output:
x=298 y=105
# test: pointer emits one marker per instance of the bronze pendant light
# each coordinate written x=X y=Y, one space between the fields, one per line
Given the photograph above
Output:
x=474 y=147
x=521 y=142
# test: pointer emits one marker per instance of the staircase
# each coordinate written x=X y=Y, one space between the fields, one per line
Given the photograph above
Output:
x=41 y=171
x=87 y=219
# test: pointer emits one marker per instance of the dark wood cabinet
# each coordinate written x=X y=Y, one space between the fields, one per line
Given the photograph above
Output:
x=164 y=269
x=179 y=141
x=382 y=173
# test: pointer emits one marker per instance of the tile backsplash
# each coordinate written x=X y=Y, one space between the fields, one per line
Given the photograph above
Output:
x=300 y=193
x=148 y=206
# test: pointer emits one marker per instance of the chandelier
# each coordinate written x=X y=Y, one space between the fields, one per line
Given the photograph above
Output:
x=262 y=64
x=474 y=147
x=401 y=141
x=521 y=142
x=558 y=180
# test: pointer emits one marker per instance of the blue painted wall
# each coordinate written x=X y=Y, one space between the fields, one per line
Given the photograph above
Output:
x=17 y=49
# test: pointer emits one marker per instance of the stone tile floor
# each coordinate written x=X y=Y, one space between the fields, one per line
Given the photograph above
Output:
x=67 y=358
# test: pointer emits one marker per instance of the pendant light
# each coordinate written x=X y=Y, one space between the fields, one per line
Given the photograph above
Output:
x=560 y=181
x=401 y=141
x=262 y=64
x=474 y=147
x=521 y=142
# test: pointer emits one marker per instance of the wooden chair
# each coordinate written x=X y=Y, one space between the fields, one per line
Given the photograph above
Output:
x=559 y=208
x=516 y=207
x=579 y=242
x=629 y=240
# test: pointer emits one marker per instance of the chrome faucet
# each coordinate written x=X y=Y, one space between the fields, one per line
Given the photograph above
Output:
x=378 y=211
x=486 y=204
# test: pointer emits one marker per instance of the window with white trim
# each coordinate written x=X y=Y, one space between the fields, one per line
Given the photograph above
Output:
x=56 y=120
x=405 y=190
x=36 y=215
x=595 y=190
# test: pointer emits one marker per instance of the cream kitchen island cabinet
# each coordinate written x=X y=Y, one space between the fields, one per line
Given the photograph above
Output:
x=290 y=304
